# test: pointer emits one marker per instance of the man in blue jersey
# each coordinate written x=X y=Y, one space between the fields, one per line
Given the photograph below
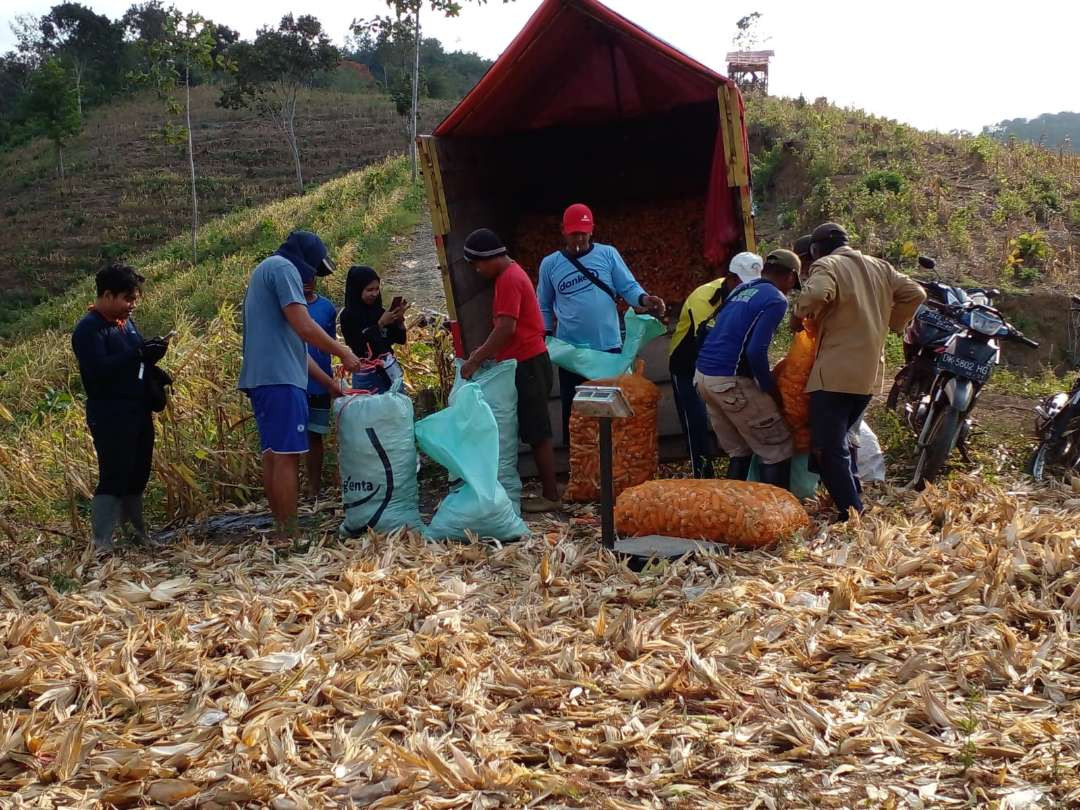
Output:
x=578 y=290
x=734 y=379
x=321 y=388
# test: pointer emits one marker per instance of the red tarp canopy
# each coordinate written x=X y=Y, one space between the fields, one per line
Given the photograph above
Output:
x=578 y=63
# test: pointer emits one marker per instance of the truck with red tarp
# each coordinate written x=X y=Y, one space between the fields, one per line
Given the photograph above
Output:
x=586 y=106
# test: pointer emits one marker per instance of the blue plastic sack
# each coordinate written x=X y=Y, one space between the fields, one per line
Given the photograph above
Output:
x=464 y=438
x=597 y=365
x=804 y=483
x=498 y=384
x=377 y=461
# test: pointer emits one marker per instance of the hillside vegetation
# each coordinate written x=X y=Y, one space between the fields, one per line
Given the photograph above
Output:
x=1001 y=213
x=206 y=452
x=126 y=191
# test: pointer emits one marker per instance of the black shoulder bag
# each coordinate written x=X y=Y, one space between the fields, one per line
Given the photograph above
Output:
x=590 y=275
x=156 y=388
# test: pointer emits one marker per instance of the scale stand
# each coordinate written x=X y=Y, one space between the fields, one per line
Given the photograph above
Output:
x=607 y=402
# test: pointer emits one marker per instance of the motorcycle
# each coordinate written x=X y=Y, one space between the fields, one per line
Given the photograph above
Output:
x=1057 y=424
x=962 y=367
x=924 y=339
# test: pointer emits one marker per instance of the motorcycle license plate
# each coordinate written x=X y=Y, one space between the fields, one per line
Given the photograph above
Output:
x=969 y=359
x=934 y=318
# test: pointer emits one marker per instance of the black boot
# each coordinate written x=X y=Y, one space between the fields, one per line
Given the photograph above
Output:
x=739 y=467
x=105 y=512
x=779 y=474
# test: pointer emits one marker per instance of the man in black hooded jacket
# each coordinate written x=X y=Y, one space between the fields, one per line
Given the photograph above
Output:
x=113 y=360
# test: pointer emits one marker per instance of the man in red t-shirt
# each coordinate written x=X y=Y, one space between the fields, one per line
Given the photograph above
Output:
x=518 y=334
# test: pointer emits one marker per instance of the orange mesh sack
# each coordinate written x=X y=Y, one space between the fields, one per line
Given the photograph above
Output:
x=633 y=441
x=791 y=375
x=739 y=513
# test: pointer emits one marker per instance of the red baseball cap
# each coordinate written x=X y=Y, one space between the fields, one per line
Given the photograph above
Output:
x=577 y=219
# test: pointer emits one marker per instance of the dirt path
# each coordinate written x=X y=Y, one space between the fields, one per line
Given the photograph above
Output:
x=415 y=273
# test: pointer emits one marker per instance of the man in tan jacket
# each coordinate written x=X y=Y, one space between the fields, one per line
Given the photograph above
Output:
x=855 y=300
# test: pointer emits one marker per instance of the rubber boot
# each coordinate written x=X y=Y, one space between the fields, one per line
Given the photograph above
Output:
x=779 y=474
x=133 y=514
x=739 y=468
x=105 y=513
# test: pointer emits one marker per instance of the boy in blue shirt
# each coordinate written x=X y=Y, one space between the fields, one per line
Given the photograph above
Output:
x=321 y=388
x=734 y=379
x=578 y=289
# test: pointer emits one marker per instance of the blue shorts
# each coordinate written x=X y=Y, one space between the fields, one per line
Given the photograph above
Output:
x=281 y=413
x=318 y=414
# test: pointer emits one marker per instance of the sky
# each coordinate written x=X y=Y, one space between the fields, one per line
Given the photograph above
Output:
x=941 y=64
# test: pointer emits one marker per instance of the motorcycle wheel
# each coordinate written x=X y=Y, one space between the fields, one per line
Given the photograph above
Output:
x=942 y=438
x=1036 y=466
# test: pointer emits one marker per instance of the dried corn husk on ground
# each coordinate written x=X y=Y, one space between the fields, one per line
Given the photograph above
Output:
x=925 y=657
x=741 y=513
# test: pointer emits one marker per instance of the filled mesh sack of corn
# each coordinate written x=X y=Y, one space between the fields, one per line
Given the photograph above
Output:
x=791 y=375
x=633 y=440
x=464 y=438
x=739 y=513
x=377 y=462
x=497 y=383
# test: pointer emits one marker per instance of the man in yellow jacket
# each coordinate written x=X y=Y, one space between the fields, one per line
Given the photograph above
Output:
x=855 y=300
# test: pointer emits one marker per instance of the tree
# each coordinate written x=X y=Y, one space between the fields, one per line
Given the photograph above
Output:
x=51 y=104
x=186 y=44
x=403 y=27
x=145 y=22
x=85 y=41
x=271 y=71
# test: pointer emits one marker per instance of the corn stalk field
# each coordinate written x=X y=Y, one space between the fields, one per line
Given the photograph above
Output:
x=204 y=455
x=926 y=656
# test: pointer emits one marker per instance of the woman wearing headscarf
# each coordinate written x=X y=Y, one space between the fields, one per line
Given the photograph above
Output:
x=371 y=330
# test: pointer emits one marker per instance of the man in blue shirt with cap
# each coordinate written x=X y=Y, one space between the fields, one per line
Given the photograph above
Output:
x=276 y=364
x=578 y=290
x=734 y=379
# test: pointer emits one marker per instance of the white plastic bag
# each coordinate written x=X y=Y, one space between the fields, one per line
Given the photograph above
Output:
x=871 y=460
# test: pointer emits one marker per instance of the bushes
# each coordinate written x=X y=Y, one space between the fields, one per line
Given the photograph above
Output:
x=884 y=180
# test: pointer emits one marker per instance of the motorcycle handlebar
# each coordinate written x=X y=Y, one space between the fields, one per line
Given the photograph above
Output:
x=1028 y=341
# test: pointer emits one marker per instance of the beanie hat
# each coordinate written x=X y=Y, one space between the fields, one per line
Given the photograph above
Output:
x=483 y=244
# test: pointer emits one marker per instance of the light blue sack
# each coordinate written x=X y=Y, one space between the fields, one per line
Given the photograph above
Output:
x=464 y=438
x=597 y=365
x=498 y=384
x=377 y=460
x=804 y=483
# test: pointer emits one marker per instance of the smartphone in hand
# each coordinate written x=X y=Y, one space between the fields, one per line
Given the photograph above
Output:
x=398 y=302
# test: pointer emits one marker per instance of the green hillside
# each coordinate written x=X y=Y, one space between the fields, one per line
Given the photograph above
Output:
x=206 y=455
x=1001 y=213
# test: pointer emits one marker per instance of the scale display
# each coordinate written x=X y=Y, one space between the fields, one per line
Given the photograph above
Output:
x=602 y=400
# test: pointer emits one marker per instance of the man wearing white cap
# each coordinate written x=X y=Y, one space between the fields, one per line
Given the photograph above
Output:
x=699 y=308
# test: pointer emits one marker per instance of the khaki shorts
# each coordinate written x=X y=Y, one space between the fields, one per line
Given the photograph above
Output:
x=745 y=419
